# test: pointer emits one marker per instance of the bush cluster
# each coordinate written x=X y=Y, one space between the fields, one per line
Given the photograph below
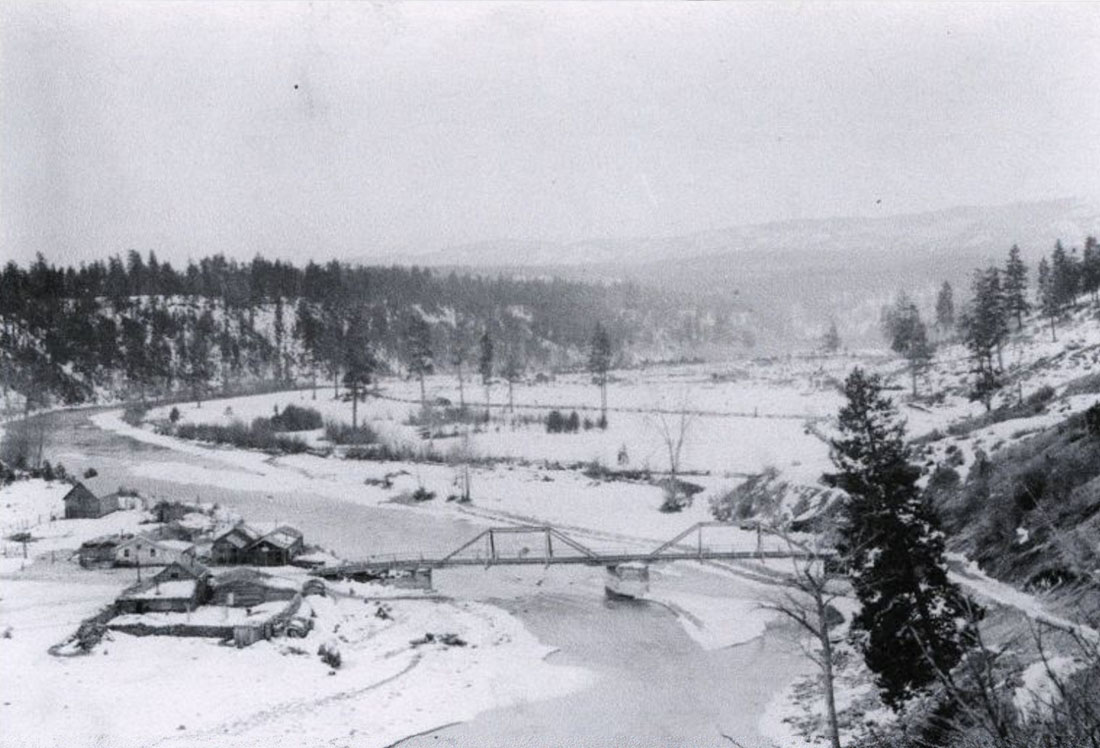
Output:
x=294 y=418
x=558 y=423
x=258 y=435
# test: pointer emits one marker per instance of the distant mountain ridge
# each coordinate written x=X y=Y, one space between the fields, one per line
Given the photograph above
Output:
x=793 y=276
x=973 y=230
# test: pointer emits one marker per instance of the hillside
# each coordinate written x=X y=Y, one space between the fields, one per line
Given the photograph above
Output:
x=128 y=329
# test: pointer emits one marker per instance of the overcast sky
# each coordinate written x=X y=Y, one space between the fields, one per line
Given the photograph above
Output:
x=366 y=129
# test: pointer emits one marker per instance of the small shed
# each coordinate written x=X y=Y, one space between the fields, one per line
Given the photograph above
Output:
x=81 y=503
x=248 y=588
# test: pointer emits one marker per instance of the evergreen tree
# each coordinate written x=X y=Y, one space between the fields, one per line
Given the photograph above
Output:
x=418 y=341
x=913 y=622
x=359 y=363
x=945 y=309
x=485 y=365
x=512 y=371
x=460 y=351
x=984 y=330
x=1090 y=268
x=1048 y=296
x=908 y=336
x=599 y=363
x=1015 y=287
x=1063 y=276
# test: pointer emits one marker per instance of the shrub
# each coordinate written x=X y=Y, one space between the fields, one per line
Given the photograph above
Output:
x=134 y=414
x=259 y=435
x=294 y=418
x=330 y=655
x=423 y=494
x=338 y=432
x=174 y=415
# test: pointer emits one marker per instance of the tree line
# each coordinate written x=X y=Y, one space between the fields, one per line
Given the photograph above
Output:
x=133 y=325
x=1001 y=297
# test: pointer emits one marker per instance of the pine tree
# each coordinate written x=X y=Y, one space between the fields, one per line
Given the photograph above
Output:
x=1063 y=275
x=945 y=309
x=908 y=336
x=512 y=371
x=1090 y=268
x=913 y=622
x=418 y=340
x=599 y=363
x=1015 y=287
x=460 y=351
x=984 y=330
x=359 y=363
x=485 y=365
x=830 y=342
x=1048 y=296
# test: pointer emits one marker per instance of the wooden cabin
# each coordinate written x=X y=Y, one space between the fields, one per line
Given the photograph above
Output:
x=81 y=503
x=231 y=547
x=248 y=588
x=141 y=550
x=100 y=552
x=277 y=548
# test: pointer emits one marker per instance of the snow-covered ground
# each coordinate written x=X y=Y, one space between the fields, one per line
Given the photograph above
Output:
x=746 y=417
x=137 y=691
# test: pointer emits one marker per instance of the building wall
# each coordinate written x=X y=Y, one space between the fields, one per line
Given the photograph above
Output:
x=146 y=553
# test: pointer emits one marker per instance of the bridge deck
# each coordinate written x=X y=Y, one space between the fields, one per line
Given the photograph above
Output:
x=609 y=559
x=552 y=546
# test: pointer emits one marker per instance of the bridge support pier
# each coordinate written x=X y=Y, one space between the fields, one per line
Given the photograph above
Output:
x=630 y=580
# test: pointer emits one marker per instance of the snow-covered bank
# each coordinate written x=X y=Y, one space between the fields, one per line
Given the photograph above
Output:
x=128 y=691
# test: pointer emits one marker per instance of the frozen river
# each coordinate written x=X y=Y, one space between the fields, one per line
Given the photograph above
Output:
x=653 y=684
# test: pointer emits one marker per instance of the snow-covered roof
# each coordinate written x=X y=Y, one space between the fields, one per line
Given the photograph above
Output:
x=174 y=589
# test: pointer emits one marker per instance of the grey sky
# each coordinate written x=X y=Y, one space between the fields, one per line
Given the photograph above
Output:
x=358 y=129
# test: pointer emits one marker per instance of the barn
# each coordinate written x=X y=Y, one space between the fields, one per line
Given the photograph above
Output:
x=248 y=588
x=81 y=503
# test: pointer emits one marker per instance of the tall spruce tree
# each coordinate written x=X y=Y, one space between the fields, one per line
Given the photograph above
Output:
x=913 y=622
x=485 y=365
x=945 y=309
x=1048 y=296
x=1015 y=287
x=1090 y=268
x=359 y=362
x=418 y=341
x=599 y=363
x=1063 y=275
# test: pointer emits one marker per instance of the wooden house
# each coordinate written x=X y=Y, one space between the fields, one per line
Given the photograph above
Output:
x=248 y=588
x=141 y=550
x=244 y=544
x=155 y=596
x=185 y=567
x=232 y=545
x=277 y=548
x=100 y=552
x=81 y=503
